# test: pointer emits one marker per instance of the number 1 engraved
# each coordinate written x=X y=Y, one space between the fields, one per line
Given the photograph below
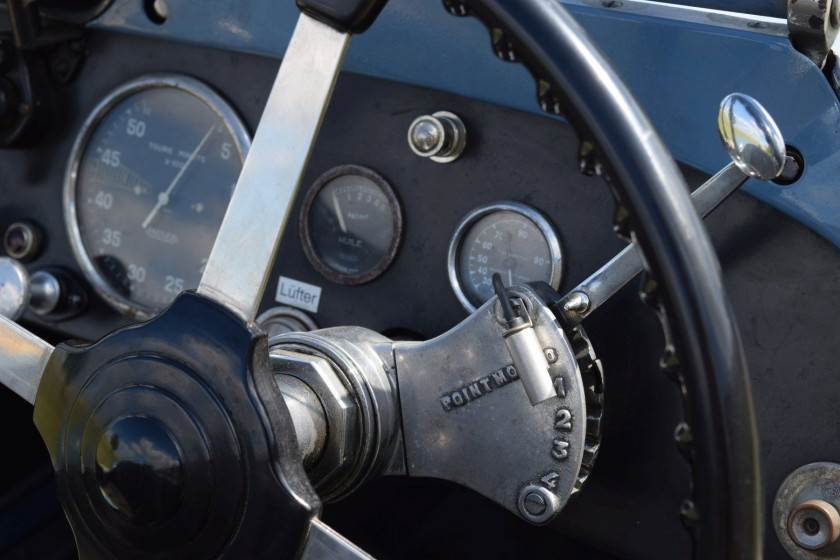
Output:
x=560 y=386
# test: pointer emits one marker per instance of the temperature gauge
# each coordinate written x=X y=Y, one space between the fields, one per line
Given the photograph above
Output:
x=508 y=238
x=351 y=224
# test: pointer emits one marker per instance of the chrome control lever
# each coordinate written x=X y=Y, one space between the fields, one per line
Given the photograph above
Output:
x=757 y=149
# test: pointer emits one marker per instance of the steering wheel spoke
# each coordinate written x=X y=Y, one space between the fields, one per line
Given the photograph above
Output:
x=24 y=357
x=238 y=266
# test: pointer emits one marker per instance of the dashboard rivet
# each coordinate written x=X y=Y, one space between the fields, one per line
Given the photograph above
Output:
x=440 y=136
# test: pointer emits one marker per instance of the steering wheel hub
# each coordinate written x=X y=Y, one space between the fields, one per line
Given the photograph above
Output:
x=140 y=470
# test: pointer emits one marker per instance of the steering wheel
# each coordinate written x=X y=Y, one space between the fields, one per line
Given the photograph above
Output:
x=171 y=438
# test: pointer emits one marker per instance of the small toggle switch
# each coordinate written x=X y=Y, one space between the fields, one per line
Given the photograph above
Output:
x=440 y=136
x=525 y=350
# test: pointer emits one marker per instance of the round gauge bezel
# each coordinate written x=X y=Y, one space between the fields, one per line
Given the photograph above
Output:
x=543 y=224
x=305 y=232
x=198 y=89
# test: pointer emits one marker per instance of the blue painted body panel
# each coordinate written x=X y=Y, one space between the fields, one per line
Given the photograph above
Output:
x=679 y=71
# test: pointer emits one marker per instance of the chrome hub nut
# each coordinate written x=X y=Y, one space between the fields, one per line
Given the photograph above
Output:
x=343 y=429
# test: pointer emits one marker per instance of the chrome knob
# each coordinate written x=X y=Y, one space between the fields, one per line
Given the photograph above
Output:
x=440 y=136
x=14 y=288
x=44 y=293
x=751 y=137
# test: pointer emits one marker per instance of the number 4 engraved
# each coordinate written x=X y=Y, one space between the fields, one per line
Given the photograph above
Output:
x=550 y=480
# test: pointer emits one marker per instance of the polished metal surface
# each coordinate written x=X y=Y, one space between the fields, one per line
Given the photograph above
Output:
x=24 y=358
x=468 y=420
x=530 y=361
x=751 y=137
x=539 y=220
x=241 y=259
x=14 y=288
x=348 y=365
x=213 y=100
x=813 y=25
x=440 y=136
x=342 y=435
x=44 y=293
x=308 y=417
x=325 y=544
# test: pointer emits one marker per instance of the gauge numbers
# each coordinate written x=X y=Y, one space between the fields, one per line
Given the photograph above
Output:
x=351 y=225
x=149 y=181
x=508 y=238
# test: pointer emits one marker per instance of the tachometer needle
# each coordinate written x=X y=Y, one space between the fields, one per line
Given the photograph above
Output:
x=338 y=213
x=163 y=198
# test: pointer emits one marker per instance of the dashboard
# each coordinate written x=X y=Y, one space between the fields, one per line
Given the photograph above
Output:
x=129 y=187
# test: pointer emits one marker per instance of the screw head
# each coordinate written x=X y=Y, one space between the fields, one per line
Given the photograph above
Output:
x=537 y=504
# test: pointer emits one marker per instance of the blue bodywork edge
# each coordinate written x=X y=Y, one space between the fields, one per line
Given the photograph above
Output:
x=679 y=69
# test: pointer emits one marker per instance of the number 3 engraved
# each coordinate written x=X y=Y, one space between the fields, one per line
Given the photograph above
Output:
x=560 y=449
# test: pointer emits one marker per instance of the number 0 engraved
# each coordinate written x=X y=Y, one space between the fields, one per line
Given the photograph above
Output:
x=560 y=450
x=563 y=419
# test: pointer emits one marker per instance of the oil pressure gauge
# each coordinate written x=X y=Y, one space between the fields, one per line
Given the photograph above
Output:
x=351 y=224
x=509 y=238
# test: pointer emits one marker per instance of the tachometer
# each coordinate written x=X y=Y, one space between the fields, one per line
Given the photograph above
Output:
x=149 y=180
x=508 y=238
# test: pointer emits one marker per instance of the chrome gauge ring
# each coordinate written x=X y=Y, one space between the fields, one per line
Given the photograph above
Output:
x=148 y=182
x=509 y=238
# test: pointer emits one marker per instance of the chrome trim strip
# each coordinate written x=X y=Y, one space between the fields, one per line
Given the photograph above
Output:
x=691 y=14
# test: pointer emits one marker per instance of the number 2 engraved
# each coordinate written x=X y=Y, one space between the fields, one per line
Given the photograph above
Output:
x=560 y=450
x=563 y=419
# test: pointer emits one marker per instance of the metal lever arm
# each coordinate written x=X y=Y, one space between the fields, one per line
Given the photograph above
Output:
x=610 y=278
x=24 y=358
x=238 y=267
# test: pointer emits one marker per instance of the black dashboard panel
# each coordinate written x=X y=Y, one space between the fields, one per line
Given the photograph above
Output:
x=777 y=271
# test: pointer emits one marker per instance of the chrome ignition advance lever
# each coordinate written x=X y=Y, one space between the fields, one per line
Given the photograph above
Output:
x=753 y=141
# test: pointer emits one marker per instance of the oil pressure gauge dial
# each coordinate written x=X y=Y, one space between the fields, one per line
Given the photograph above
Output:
x=351 y=224
x=509 y=238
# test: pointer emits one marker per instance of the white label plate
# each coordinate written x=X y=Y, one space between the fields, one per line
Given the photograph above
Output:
x=298 y=294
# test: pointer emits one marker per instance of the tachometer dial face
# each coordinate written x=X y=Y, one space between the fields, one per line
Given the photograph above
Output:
x=351 y=224
x=149 y=181
x=508 y=238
